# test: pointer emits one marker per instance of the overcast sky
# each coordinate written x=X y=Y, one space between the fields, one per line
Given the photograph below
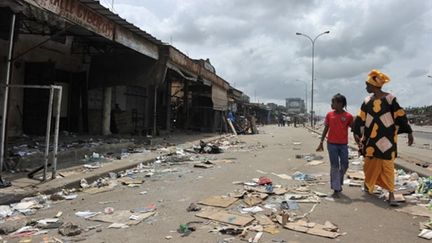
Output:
x=253 y=45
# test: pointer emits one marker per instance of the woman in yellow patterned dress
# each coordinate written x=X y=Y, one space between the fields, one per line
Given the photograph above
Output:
x=376 y=129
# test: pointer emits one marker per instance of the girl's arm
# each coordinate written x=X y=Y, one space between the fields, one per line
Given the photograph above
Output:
x=323 y=136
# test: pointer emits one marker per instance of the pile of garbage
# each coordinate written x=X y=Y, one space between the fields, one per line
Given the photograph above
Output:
x=260 y=206
x=15 y=218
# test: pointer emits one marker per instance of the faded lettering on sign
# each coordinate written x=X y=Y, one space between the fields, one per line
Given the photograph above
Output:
x=80 y=14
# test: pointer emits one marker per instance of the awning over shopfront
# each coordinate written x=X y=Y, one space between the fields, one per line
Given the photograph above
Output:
x=97 y=19
x=186 y=75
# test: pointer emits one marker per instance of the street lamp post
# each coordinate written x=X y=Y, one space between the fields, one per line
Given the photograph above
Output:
x=306 y=98
x=313 y=69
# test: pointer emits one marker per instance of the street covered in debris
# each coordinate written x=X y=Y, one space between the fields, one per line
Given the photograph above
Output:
x=215 y=121
x=262 y=188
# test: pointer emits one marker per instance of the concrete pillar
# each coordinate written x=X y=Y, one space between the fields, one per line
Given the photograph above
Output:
x=168 y=105
x=106 y=111
x=186 y=107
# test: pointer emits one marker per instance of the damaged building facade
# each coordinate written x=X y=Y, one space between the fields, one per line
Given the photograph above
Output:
x=115 y=78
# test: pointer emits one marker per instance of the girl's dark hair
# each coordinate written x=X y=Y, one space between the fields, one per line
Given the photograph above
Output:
x=340 y=99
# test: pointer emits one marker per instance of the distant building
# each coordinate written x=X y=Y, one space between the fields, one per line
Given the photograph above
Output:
x=295 y=106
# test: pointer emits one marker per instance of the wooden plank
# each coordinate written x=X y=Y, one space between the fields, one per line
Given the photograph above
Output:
x=231 y=126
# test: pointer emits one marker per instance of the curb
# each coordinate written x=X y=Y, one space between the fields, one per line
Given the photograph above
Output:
x=13 y=198
x=405 y=163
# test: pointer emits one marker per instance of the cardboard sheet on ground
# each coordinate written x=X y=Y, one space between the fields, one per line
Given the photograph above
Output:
x=313 y=229
x=218 y=201
x=416 y=210
x=263 y=220
x=225 y=217
x=122 y=217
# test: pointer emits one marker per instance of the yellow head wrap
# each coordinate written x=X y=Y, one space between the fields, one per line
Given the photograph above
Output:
x=377 y=78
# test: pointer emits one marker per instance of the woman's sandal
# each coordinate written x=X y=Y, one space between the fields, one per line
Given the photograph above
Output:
x=393 y=203
x=366 y=189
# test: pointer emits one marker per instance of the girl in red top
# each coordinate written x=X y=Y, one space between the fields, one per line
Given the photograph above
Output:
x=336 y=125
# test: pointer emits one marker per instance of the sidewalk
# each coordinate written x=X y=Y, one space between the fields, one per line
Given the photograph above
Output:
x=24 y=187
x=406 y=161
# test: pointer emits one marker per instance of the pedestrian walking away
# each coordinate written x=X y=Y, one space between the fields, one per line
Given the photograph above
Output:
x=336 y=124
x=377 y=126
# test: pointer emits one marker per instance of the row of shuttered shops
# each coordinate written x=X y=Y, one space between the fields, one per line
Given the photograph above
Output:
x=114 y=77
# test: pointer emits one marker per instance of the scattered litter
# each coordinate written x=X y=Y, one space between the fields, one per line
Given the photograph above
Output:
x=92 y=166
x=426 y=234
x=315 y=162
x=50 y=223
x=84 y=184
x=356 y=175
x=24 y=231
x=122 y=217
x=86 y=214
x=300 y=176
x=231 y=231
x=5 y=211
x=134 y=217
x=118 y=226
x=263 y=180
x=203 y=166
x=193 y=208
x=69 y=229
x=254 y=209
x=320 y=194
x=109 y=210
x=71 y=197
x=256 y=238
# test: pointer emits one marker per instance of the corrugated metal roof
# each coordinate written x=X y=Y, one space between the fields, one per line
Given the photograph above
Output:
x=96 y=6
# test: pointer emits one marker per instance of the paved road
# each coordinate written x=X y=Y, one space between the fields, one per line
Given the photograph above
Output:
x=424 y=135
x=363 y=218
